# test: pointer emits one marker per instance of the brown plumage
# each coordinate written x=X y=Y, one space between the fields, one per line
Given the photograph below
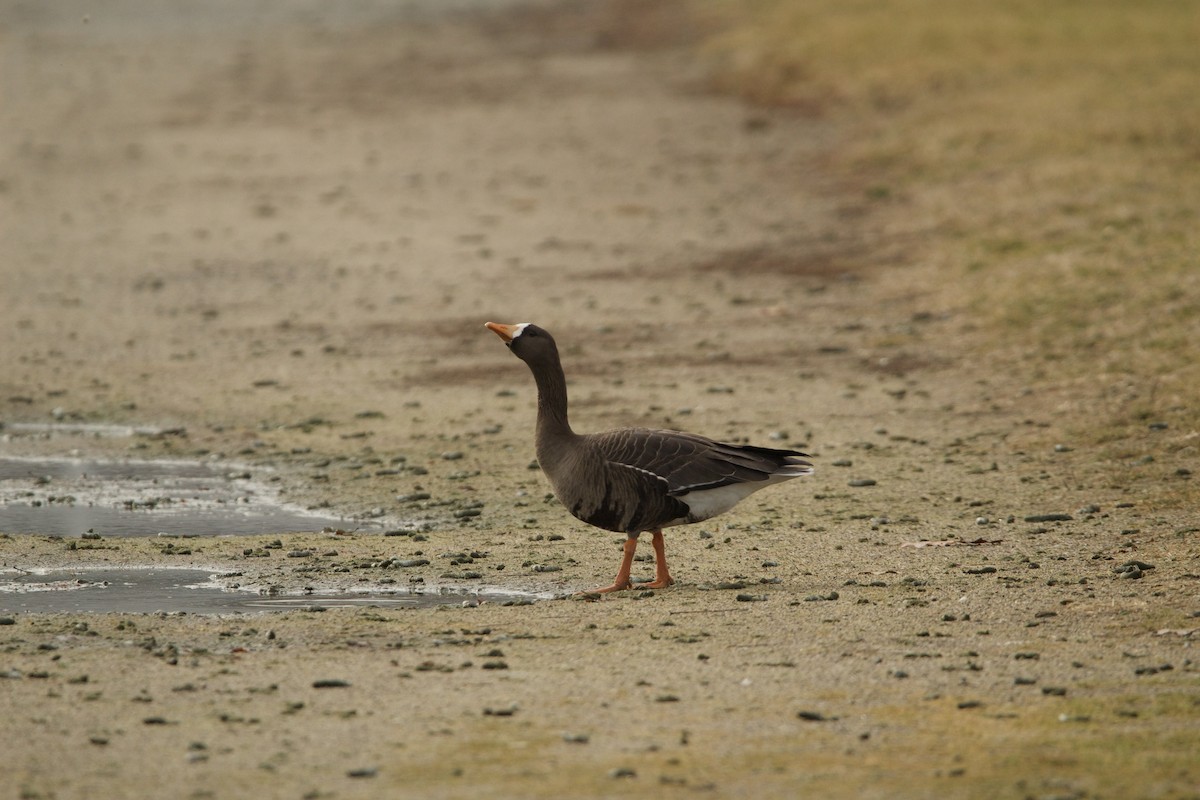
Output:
x=635 y=479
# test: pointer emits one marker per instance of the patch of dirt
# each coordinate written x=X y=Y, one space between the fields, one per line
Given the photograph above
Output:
x=282 y=241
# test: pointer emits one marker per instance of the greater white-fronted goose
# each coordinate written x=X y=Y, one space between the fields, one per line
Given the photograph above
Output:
x=634 y=479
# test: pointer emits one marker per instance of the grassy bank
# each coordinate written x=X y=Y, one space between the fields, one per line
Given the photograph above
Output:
x=1040 y=162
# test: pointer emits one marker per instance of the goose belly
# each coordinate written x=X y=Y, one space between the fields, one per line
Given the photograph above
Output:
x=706 y=503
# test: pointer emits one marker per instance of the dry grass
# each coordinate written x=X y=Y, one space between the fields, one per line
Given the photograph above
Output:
x=1043 y=157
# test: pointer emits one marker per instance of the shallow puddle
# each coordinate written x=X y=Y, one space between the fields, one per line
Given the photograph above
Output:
x=71 y=497
x=149 y=590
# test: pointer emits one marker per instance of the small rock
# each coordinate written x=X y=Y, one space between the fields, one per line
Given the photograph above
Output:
x=814 y=716
x=1049 y=518
x=1153 y=670
x=859 y=482
x=330 y=683
x=576 y=738
x=622 y=772
x=362 y=772
x=731 y=585
x=500 y=712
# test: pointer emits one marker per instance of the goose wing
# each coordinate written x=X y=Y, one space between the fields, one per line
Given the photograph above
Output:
x=684 y=462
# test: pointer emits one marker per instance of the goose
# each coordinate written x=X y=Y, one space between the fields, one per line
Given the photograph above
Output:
x=637 y=480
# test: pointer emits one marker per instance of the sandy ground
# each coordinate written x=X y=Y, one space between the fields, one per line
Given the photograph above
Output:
x=279 y=235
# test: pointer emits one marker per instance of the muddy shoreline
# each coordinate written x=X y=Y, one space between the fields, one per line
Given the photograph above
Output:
x=280 y=245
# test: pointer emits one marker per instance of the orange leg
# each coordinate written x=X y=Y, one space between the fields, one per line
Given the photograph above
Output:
x=662 y=576
x=622 y=581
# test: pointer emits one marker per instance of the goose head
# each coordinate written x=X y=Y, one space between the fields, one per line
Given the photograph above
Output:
x=527 y=341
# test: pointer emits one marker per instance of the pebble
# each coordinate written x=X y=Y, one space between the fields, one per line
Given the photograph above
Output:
x=841 y=462
x=7 y=621
x=814 y=716
x=1049 y=518
x=979 y=570
x=751 y=598
x=1153 y=670
x=576 y=738
x=362 y=772
x=858 y=482
x=1133 y=569
x=622 y=772
x=330 y=683
x=546 y=568
x=500 y=712
x=412 y=562
x=1054 y=691
x=299 y=553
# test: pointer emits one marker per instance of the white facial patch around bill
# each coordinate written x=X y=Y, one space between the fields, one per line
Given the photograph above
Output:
x=519 y=328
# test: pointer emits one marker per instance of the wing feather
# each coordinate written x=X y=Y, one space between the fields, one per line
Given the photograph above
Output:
x=687 y=462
